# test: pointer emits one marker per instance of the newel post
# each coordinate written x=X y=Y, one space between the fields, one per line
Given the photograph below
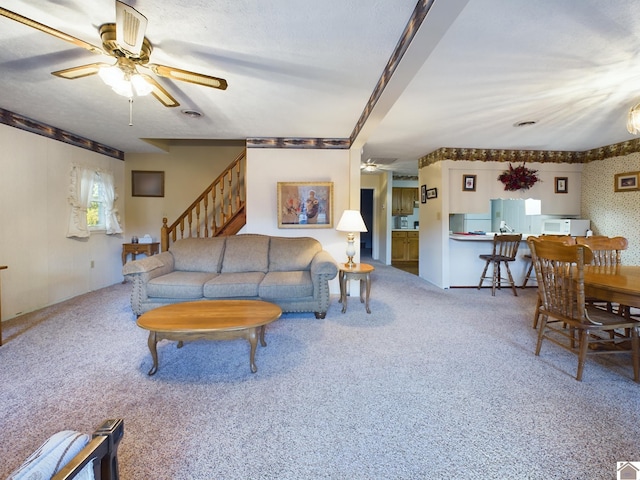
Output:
x=164 y=236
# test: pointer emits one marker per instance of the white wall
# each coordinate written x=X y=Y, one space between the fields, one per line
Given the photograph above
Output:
x=488 y=186
x=45 y=267
x=266 y=167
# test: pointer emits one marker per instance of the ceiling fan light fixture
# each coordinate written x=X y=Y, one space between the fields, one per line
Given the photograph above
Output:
x=124 y=83
x=123 y=88
x=370 y=168
x=111 y=75
x=633 y=120
x=140 y=85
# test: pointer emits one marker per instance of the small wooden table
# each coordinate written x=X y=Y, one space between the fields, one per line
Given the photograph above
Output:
x=138 y=248
x=211 y=320
x=2 y=267
x=360 y=271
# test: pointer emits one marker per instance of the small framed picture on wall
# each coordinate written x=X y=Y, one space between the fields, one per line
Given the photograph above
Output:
x=562 y=185
x=626 y=182
x=423 y=194
x=468 y=183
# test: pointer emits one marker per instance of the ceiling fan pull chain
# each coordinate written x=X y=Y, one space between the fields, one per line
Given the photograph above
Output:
x=131 y=111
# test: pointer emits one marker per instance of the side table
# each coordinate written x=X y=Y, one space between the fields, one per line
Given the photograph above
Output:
x=137 y=248
x=134 y=249
x=2 y=267
x=360 y=271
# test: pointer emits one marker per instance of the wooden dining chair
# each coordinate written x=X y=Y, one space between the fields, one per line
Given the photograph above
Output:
x=606 y=252
x=566 y=239
x=505 y=249
x=563 y=239
x=565 y=317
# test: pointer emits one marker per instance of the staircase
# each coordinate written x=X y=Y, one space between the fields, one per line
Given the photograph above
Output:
x=218 y=211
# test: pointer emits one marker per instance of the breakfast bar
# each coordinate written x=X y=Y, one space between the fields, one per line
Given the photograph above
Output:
x=465 y=265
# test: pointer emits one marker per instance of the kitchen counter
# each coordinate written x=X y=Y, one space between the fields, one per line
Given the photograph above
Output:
x=465 y=265
x=405 y=229
x=465 y=237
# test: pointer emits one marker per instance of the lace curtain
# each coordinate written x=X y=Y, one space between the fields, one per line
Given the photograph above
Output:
x=80 y=193
x=110 y=210
x=79 y=197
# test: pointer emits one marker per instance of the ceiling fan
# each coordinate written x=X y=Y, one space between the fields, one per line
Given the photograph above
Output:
x=125 y=41
x=374 y=165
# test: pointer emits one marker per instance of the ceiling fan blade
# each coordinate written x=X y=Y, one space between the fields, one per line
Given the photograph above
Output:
x=160 y=93
x=186 y=76
x=81 y=71
x=131 y=26
x=51 y=31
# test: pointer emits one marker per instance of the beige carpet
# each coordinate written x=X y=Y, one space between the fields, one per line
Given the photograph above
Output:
x=432 y=385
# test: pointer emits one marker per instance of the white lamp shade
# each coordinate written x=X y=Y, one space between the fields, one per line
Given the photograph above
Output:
x=351 y=221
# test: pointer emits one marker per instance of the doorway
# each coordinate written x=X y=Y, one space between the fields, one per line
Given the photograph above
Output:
x=366 y=209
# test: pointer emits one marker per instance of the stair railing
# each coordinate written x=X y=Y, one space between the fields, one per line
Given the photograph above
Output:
x=219 y=206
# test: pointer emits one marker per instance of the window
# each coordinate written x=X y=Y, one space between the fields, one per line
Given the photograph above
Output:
x=92 y=198
x=96 y=208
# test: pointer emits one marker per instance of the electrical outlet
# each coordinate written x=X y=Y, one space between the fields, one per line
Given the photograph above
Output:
x=92 y=264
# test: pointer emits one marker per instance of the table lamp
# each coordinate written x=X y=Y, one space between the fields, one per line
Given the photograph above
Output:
x=351 y=221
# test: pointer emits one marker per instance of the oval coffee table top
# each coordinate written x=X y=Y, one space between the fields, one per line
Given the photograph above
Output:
x=209 y=315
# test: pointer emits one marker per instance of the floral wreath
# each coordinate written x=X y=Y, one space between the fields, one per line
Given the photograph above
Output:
x=518 y=178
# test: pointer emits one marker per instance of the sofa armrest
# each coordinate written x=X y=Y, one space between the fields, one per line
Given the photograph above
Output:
x=155 y=265
x=143 y=270
x=324 y=264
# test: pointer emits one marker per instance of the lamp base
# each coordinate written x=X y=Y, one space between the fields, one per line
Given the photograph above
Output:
x=351 y=250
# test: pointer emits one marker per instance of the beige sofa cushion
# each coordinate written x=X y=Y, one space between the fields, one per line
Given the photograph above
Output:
x=288 y=254
x=180 y=285
x=230 y=285
x=198 y=254
x=246 y=253
x=278 y=285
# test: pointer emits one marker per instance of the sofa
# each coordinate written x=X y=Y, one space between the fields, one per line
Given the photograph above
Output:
x=293 y=273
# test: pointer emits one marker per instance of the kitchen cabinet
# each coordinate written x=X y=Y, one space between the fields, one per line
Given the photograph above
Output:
x=403 y=200
x=405 y=246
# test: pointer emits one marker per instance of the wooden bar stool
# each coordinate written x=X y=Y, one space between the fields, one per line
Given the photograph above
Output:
x=505 y=249
x=564 y=239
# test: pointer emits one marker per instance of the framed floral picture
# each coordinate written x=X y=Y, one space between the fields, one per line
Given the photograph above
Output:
x=468 y=183
x=626 y=182
x=562 y=185
x=432 y=193
x=305 y=204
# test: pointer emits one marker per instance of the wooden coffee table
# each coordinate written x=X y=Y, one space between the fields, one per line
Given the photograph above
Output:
x=211 y=320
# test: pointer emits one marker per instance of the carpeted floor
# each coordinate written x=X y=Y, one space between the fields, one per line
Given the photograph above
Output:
x=432 y=385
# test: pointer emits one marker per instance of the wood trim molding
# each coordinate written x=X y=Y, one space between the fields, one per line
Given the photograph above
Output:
x=23 y=123
x=540 y=156
x=330 y=143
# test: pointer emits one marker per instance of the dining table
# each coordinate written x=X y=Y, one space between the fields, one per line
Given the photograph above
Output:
x=617 y=284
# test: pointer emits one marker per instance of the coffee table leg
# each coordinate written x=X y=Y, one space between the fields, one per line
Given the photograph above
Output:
x=262 y=340
x=152 y=342
x=252 y=337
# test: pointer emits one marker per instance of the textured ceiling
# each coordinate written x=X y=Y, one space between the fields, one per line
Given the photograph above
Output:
x=307 y=69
